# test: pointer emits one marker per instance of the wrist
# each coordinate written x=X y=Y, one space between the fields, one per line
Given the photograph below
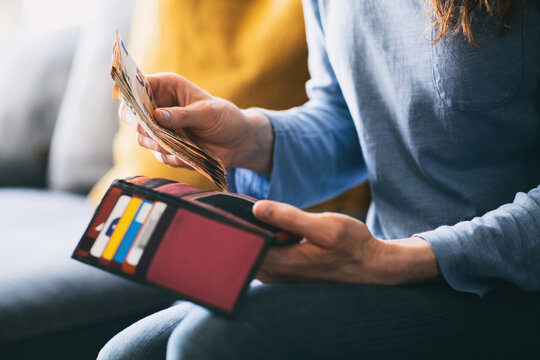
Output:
x=405 y=261
x=256 y=151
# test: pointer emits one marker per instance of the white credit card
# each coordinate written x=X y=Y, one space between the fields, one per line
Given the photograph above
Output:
x=145 y=233
x=110 y=225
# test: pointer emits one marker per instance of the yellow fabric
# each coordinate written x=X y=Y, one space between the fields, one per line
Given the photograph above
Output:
x=354 y=202
x=251 y=52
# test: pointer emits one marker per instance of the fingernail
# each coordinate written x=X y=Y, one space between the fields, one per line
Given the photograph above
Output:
x=263 y=210
x=163 y=116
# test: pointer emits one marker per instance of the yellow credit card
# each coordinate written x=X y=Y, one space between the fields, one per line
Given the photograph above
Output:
x=121 y=228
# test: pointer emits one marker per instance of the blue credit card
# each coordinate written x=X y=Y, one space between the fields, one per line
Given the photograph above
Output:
x=133 y=230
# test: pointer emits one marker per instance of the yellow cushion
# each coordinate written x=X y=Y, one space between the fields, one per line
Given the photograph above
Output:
x=252 y=53
x=354 y=202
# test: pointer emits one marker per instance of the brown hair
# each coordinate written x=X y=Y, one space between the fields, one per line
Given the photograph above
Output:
x=450 y=17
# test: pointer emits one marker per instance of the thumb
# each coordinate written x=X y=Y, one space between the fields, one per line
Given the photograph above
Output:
x=292 y=219
x=178 y=117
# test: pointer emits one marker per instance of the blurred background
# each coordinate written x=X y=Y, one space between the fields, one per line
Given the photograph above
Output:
x=58 y=122
x=34 y=16
x=54 y=58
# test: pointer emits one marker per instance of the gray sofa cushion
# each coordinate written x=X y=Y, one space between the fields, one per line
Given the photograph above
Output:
x=81 y=148
x=33 y=76
x=41 y=288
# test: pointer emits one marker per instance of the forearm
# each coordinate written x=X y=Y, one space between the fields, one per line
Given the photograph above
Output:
x=502 y=246
x=404 y=261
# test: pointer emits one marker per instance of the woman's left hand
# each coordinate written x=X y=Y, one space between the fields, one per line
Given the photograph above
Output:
x=339 y=248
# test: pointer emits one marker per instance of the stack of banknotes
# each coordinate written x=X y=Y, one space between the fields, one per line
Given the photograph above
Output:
x=134 y=90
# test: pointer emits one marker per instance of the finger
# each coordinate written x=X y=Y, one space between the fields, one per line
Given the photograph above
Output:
x=157 y=155
x=272 y=269
x=175 y=161
x=164 y=88
x=170 y=89
x=269 y=278
x=301 y=262
x=126 y=115
x=170 y=160
x=191 y=116
x=150 y=144
x=289 y=218
x=141 y=131
x=299 y=256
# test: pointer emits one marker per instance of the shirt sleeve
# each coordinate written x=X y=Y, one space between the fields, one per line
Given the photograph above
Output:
x=501 y=246
x=316 y=150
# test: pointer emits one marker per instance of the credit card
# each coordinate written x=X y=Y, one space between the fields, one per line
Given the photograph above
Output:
x=98 y=222
x=110 y=225
x=137 y=250
x=121 y=228
x=133 y=230
x=107 y=205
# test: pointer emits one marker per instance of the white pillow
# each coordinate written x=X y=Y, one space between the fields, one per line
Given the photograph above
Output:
x=81 y=149
x=33 y=74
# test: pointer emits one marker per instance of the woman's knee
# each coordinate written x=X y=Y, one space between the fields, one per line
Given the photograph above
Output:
x=205 y=335
x=147 y=338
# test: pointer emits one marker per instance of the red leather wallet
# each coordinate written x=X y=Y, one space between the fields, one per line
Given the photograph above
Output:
x=202 y=246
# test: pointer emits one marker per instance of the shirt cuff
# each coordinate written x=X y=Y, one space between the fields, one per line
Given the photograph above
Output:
x=247 y=182
x=450 y=247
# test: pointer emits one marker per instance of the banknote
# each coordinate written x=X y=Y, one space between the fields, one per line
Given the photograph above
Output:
x=134 y=89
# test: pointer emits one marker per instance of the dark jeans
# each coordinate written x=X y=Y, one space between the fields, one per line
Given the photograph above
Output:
x=342 y=321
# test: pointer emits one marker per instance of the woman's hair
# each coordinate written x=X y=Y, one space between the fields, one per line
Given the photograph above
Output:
x=450 y=17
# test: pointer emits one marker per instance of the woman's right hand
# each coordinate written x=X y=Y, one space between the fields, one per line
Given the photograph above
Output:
x=240 y=138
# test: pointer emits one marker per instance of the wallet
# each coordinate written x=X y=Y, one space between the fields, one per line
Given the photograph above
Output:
x=201 y=246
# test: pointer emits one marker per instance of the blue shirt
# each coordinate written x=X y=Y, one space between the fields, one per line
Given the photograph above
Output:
x=448 y=135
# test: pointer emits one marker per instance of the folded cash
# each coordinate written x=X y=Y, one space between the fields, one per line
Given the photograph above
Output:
x=134 y=90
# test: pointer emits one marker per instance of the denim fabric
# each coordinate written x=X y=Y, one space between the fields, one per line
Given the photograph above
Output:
x=341 y=321
x=147 y=338
x=446 y=134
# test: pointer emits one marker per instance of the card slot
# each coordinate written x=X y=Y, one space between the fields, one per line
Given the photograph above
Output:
x=115 y=230
x=193 y=193
x=121 y=228
x=134 y=228
x=237 y=206
x=137 y=179
x=231 y=217
x=109 y=227
x=153 y=242
x=154 y=195
x=177 y=189
x=153 y=183
x=137 y=249
x=242 y=207
x=100 y=216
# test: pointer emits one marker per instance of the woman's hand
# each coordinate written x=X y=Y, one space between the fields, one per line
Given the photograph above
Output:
x=239 y=138
x=340 y=248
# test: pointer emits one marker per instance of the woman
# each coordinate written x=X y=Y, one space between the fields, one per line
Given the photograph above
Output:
x=445 y=125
